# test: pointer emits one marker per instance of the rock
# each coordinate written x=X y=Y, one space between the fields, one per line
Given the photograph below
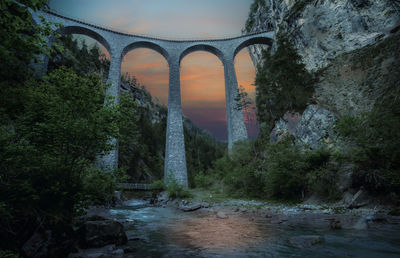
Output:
x=129 y=249
x=322 y=30
x=45 y=243
x=38 y=245
x=359 y=200
x=311 y=129
x=222 y=215
x=359 y=3
x=268 y=216
x=118 y=252
x=335 y=224
x=163 y=197
x=243 y=210
x=285 y=126
x=117 y=201
x=192 y=207
x=315 y=127
x=98 y=231
x=306 y=241
x=205 y=205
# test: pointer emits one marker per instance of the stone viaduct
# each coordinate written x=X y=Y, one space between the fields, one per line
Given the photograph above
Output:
x=119 y=44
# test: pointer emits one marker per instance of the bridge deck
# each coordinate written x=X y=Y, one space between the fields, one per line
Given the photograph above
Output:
x=133 y=187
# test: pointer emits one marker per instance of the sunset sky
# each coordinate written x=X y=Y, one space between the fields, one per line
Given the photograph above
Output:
x=202 y=76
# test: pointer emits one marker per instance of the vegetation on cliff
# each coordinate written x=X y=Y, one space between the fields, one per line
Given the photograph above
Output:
x=365 y=144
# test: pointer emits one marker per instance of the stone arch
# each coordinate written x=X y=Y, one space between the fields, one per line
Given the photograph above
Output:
x=252 y=41
x=202 y=47
x=146 y=44
x=87 y=32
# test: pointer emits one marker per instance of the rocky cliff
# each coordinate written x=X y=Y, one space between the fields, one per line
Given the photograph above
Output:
x=323 y=29
x=351 y=46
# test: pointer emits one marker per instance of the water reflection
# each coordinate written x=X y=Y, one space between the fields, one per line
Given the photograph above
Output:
x=169 y=232
x=214 y=234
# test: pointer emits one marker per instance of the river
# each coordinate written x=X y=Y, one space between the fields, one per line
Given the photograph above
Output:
x=169 y=232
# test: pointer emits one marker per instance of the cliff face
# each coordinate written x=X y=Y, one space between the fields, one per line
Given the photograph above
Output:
x=351 y=46
x=323 y=29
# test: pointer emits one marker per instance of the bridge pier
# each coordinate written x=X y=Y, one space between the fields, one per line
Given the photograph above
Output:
x=109 y=160
x=175 y=157
x=236 y=127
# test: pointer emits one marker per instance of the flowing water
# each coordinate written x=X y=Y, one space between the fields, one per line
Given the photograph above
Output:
x=169 y=232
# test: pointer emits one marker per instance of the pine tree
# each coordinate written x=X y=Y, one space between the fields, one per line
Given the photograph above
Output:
x=282 y=84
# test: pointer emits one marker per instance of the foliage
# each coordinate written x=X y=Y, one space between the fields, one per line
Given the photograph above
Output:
x=203 y=180
x=283 y=84
x=375 y=135
x=46 y=151
x=201 y=150
x=158 y=185
x=277 y=171
x=98 y=187
x=79 y=57
x=21 y=40
x=176 y=190
x=50 y=148
x=142 y=141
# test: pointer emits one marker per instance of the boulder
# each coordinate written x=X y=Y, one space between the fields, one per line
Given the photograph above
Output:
x=98 y=231
x=306 y=241
x=222 y=215
x=205 y=205
x=47 y=243
x=335 y=224
x=38 y=244
x=192 y=207
x=312 y=129
x=315 y=127
x=359 y=200
x=163 y=197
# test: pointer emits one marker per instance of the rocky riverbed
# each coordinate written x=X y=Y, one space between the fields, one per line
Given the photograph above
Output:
x=238 y=228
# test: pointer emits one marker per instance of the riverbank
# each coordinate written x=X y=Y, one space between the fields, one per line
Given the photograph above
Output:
x=240 y=228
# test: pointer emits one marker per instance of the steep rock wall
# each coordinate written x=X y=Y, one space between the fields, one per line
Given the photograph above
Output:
x=352 y=46
x=323 y=29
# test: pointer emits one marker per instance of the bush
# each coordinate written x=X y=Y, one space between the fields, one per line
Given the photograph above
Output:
x=203 y=180
x=99 y=187
x=158 y=186
x=277 y=171
x=285 y=172
x=375 y=138
x=175 y=190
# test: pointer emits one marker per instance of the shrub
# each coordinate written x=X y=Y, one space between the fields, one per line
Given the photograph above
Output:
x=203 y=180
x=175 y=190
x=285 y=172
x=375 y=138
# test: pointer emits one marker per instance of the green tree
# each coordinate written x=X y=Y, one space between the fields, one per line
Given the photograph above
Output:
x=79 y=57
x=21 y=42
x=48 y=151
x=282 y=84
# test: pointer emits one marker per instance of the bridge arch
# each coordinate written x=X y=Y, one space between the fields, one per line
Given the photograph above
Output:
x=145 y=44
x=252 y=41
x=87 y=32
x=202 y=47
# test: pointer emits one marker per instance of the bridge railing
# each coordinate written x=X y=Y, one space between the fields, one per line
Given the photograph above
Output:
x=125 y=33
x=132 y=187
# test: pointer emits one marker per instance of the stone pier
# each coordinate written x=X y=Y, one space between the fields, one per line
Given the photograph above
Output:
x=119 y=44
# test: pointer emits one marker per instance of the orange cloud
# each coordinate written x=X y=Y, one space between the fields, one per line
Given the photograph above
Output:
x=202 y=85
